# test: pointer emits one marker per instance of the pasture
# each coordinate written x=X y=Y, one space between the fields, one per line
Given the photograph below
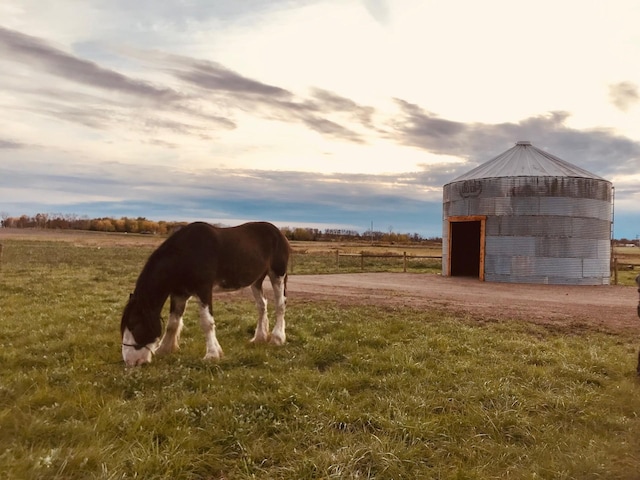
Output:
x=357 y=392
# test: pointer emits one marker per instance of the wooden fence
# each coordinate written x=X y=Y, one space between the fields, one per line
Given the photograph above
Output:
x=402 y=256
x=618 y=265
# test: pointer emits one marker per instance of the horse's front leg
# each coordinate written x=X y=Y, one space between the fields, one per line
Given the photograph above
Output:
x=171 y=340
x=208 y=325
x=278 y=336
x=262 y=327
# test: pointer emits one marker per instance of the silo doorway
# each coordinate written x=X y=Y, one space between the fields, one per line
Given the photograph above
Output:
x=466 y=246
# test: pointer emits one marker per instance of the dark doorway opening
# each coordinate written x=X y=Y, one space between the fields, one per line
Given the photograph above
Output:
x=465 y=256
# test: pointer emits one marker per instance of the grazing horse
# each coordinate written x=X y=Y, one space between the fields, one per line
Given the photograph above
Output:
x=197 y=260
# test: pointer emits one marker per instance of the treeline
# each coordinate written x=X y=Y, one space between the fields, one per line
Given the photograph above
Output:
x=146 y=226
x=105 y=224
x=331 y=234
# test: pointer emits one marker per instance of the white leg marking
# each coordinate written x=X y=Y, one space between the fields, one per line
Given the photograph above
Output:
x=262 y=327
x=208 y=325
x=278 y=336
x=171 y=340
x=130 y=355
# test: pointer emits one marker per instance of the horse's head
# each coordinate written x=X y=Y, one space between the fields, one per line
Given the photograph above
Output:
x=140 y=333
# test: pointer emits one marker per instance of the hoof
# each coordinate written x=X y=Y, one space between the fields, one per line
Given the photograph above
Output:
x=258 y=340
x=276 y=340
x=213 y=356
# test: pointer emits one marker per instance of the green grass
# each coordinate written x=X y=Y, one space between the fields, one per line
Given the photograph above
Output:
x=357 y=392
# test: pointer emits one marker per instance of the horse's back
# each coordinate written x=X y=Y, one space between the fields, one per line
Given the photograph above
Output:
x=247 y=248
x=261 y=241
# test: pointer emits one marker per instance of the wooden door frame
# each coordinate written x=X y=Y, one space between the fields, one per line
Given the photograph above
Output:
x=468 y=218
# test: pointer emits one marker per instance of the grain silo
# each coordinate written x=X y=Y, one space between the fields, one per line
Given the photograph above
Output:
x=528 y=217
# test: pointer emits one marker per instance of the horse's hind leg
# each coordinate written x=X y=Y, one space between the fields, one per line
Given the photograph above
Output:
x=279 y=284
x=170 y=340
x=262 y=327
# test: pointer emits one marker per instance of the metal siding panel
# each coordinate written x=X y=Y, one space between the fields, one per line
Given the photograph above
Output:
x=486 y=206
x=595 y=267
x=497 y=265
x=535 y=226
x=546 y=267
x=492 y=226
x=584 y=248
x=591 y=228
x=526 y=205
x=509 y=246
x=587 y=207
x=567 y=247
x=551 y=247
x=604 y=249
x=502 y=206
x=558 y=206
x=459 y=208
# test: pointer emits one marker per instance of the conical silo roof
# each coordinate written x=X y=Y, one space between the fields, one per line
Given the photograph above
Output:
x=525 y=160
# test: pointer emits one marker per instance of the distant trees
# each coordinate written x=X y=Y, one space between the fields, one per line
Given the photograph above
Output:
x=59 y=221
x=104 y=224
x=342 y=235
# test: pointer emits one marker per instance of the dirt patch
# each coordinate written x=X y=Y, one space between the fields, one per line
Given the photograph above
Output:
x=573 y=308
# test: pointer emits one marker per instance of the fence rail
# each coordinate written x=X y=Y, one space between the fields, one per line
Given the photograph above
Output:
x=337 y=260
x=403 y=256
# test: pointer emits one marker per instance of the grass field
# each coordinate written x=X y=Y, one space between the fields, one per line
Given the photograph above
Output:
x=357 y=392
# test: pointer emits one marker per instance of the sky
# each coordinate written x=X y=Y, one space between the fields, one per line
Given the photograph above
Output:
x=307 y=113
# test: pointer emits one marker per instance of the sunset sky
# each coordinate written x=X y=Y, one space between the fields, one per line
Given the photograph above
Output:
x=327 y=114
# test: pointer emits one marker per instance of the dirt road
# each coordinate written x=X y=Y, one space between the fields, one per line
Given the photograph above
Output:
x=599 y=308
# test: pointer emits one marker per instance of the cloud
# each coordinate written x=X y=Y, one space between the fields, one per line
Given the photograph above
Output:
x=11 y=145
x=326 y=101
x=624 y=95
x=378 y=9
x=103 y=106
x=600 y=151
x=212 y=76
x=322 y=111
x=208 y=92
x=32 y=50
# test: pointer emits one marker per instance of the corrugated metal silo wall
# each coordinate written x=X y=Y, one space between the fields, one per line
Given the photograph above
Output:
x=552 y=230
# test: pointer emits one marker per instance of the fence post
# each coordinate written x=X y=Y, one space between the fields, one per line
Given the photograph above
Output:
x=0 y=255
x=615 y=270
x=337 y=258
x=404 y=262
x=362 y=261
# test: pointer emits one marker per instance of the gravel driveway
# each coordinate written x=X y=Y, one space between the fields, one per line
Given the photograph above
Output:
x=599 y=308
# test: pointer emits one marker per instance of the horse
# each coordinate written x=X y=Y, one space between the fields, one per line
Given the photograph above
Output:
x=197 y=260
